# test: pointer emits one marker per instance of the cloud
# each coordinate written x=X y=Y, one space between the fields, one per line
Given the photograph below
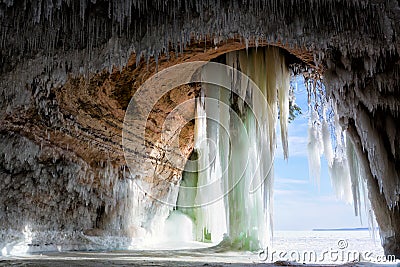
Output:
x=299 y=127
x=297 y=138
x=287 y=192
x=297 y=147
x=290 y=181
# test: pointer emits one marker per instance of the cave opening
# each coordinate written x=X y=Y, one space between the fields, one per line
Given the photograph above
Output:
x=212 y=224
x=68 y=70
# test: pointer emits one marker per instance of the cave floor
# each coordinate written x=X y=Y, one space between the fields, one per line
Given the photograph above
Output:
x=150 y=258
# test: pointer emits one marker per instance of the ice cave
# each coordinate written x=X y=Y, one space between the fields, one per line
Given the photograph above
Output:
x=125 y=120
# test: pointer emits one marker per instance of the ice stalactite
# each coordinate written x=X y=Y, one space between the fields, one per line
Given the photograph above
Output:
x=235 y=143
x=355 y=172
x=314 y=147
x=283 y=90
x=340 y=178
x=326 y=138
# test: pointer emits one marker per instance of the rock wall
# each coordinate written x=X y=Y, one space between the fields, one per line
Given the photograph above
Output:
x=368 y=103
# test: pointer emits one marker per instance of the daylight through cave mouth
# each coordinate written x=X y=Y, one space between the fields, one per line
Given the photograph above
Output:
x=226 y=190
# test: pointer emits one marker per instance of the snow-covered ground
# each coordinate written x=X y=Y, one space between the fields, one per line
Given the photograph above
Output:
x=324 y=248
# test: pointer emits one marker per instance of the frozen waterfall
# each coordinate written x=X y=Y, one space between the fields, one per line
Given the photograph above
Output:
x=235 y=143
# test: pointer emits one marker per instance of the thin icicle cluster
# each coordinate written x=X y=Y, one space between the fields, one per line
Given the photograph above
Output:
x=152 y=28
x=346 y=175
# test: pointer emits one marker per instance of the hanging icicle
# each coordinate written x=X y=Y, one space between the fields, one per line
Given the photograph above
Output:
x=346 y=176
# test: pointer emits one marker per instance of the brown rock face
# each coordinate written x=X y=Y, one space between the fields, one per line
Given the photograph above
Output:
x=72 y=165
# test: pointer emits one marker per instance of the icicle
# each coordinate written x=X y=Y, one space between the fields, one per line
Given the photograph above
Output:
x=283 y=95
x=347 y=177
x=326 y=139
x=271 y=89
x=314 y=147
x=340 y=177
x=355 y=175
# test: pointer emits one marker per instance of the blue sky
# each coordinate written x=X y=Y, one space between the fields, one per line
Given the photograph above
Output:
x=298 y=202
